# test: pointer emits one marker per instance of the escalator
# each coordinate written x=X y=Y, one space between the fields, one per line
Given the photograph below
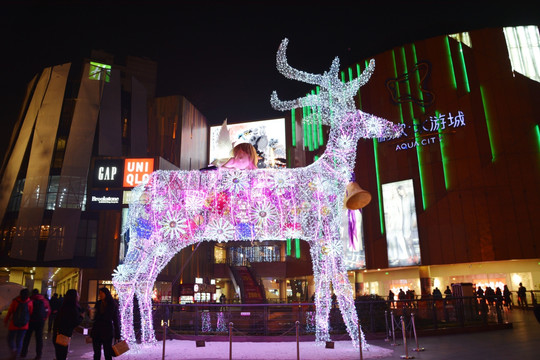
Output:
x=250 y=290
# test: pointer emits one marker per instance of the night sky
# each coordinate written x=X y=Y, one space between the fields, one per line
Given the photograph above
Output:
x=221 y=55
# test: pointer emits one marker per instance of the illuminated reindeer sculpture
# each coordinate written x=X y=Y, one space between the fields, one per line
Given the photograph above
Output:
x=175 y=209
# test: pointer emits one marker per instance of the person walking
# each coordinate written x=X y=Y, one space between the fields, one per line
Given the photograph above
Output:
x=40 y=312
x=68 y=318
x=18 y=317
x=54 y=304
x=507 y=297
x=106 y=325
x=522 y=296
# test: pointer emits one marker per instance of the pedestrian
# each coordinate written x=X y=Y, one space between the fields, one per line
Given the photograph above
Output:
x=507 y=294
x=437 y=294
x=448 y=292
x=68 y=318
x=106 y=325
x=40 y=312
x=522 y=296
x=18 y=317
x=391 y=298
x=54 y=303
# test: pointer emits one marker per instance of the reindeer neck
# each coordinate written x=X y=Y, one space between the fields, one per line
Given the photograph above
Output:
x=340 y=153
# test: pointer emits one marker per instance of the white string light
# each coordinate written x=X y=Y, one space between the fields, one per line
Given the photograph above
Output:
x=175 y=209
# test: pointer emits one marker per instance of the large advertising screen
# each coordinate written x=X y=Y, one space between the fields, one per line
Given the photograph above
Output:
x=402 y=241
x=267 y=136
x=352 y=235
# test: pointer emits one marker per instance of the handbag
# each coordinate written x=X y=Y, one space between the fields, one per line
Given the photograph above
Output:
x=62 y=340
x=120 y=347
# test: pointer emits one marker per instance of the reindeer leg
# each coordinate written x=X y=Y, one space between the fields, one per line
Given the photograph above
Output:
x=125 y=296
x=144 y=295
x=345 y=297
x=322 y=295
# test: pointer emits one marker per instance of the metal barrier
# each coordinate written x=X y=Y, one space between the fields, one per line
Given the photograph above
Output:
x=278 y=319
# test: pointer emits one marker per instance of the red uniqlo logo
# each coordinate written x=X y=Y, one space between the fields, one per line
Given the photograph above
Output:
x=137 y=171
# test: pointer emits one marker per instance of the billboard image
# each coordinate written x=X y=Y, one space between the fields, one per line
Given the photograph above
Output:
x=354 y=256
x=402 y=241
x=267 y=136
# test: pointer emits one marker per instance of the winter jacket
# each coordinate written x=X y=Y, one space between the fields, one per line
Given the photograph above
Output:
x=45 y=303
x=12 y=309
x=106 y=321
x=67 y=319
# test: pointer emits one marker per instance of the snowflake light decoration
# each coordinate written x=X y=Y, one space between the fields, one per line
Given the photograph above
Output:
x=173 y=225
x=174 y=209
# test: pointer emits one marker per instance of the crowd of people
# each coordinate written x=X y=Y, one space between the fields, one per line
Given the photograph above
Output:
x=27 y=315
x=489 y=296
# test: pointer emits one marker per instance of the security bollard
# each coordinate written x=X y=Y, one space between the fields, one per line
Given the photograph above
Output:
x=297 y=324
x=360 y=340
x=164 y=325
x=386 y=321
x=394 y=343
x=230 y=340
x=406 y=356
x=415 y=337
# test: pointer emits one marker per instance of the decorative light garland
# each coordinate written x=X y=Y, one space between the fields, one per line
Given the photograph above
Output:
x=175 y=209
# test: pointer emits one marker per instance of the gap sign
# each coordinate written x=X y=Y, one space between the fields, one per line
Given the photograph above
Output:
x=136 y=171
x=108 y=173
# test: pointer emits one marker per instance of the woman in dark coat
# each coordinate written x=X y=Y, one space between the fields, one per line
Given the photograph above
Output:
x=68 y=318
x=106 y=325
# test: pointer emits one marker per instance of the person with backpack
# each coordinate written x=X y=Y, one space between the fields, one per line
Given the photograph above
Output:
x=37 y=321
x=18 y=317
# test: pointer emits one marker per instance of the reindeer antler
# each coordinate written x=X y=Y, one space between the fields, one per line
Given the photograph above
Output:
x=335 y=98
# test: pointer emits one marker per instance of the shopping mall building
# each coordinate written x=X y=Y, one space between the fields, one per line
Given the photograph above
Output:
x=454 y=200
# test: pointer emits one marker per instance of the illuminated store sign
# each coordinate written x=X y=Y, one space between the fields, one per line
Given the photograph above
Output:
x=105 y=200
x=267 y=136
x=402 y=240
x=428 y=132
x=136 y=171
x=108 y=173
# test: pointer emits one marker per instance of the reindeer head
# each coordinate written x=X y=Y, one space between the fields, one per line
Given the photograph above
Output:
x=335 y=99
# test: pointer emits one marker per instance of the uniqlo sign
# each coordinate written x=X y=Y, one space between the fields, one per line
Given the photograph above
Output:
x=136 y=171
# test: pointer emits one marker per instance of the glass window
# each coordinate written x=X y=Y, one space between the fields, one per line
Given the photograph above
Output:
x=523 y=44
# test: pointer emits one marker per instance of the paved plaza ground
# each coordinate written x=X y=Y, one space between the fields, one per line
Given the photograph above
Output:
x=522 y=341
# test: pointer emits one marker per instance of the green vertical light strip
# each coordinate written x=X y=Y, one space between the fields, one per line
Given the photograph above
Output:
x=376 y=153
x=293 y=127
x=537 y=127
x=415 y=122
x=288 y=247
x=314 y=125
x=397 y=86
x=464 y=68
x=451 y=64
x=486 y=115
x=358 y=73
x=417 y=76
x=307 y=129
x=350 y=74
x=444 y=158
x=343 y=76
x=319 y=122
x=297 y=248
x=407 y=84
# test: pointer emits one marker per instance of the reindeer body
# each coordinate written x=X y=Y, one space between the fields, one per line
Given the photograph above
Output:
x=175 y=209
